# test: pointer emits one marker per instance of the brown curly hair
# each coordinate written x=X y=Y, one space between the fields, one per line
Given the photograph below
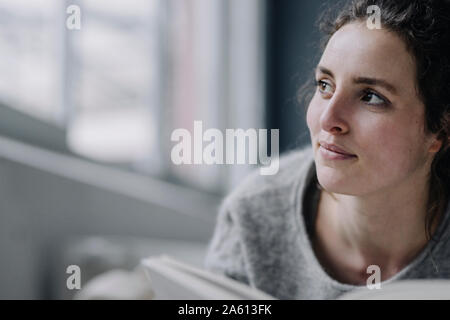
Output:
x=424 y=26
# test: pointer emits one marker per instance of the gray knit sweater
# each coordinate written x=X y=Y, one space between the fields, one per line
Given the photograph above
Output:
x=262 y=236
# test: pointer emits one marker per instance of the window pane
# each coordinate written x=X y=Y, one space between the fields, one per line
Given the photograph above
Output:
x=30 y=55
x=113 y=79
x=198 y=90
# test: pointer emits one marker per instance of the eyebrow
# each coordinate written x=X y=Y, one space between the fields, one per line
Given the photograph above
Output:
x=363 y=80
x=376 y=82
x=325 y=71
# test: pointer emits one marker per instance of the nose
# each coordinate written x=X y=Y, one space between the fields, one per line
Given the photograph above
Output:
x=332 y=119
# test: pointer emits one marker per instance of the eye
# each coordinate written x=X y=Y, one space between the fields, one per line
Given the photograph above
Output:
x=373 y=98
x=324 y=87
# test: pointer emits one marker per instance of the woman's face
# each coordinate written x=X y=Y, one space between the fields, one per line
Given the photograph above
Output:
x=367 y=105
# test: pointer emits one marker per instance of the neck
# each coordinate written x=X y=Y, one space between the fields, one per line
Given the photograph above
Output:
x=386 y=228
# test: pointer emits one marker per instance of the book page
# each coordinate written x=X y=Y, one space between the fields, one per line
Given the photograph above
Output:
x=172 y=279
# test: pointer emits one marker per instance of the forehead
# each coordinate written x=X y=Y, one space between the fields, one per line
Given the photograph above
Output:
x=355 y=50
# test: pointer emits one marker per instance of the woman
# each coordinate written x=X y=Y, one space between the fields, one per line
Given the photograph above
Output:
x=373 y=190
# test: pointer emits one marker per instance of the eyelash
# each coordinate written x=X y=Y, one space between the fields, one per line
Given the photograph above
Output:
x=386 y=102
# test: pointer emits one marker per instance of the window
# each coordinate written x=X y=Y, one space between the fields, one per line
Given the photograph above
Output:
x=113 y=69
x=134 y=72
x=218 y=65
x=30 y=57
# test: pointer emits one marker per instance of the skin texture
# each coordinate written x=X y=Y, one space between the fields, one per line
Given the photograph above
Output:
x=374 y=205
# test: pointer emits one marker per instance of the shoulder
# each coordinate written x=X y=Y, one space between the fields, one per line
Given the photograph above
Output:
x=257 y=189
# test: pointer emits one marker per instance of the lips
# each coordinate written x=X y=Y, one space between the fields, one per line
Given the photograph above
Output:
x=335 y=148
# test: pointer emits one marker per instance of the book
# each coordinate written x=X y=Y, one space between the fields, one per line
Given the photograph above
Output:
x=172 y=279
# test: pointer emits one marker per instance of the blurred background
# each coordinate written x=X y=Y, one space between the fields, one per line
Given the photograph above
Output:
x=86 y=117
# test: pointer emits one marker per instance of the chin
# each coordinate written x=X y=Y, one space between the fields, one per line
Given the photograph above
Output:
x=335 y=183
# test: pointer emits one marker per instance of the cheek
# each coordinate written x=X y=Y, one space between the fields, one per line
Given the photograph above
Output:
x=313 y=116
x=393 y=147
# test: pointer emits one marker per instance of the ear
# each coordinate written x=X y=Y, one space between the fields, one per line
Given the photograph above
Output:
x=435 y=146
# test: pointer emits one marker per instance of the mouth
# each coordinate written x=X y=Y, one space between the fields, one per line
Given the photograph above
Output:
x=334 y=152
